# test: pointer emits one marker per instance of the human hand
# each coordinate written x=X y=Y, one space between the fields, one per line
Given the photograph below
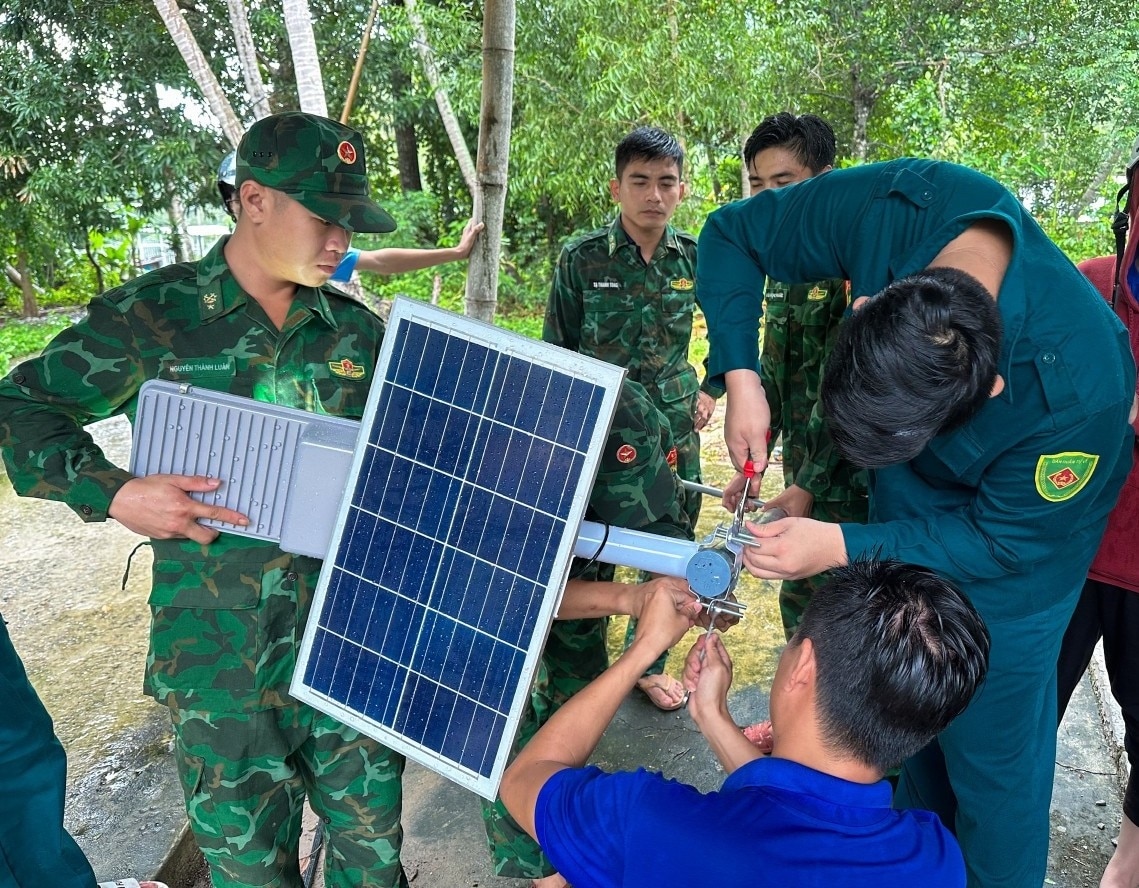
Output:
x=793 y=548
x=747 y=420
x=469 y=236
x=707 y=677
x=683 y=598
x=705 y=407
x=793 y=500
x=667 y=610
x=160 y=507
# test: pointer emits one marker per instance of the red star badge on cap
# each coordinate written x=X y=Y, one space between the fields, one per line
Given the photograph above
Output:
x=346 y=152
x=626 y=453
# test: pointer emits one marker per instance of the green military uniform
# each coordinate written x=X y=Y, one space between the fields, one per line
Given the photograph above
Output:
x=226 y=617
x=607 y=302
x=1010 y=506
x=800 y=325
x=636 y=489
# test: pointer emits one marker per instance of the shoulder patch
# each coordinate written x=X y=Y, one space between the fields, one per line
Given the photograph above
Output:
x=1060 y=476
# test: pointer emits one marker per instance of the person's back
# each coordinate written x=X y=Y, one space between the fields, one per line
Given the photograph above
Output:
x=773 y=821
x=886 y=656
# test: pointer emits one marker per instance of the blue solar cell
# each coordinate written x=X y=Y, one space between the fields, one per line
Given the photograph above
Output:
x=472 y=388
x=360 y=691
x=552 y=409
x=410 y=342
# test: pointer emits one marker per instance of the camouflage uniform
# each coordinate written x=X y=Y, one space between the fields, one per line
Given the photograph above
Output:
x=608 y=303
x=636 y=489
x=801 y=323
x=226 y=617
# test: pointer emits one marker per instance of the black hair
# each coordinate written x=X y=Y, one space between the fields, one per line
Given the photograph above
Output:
x=919 y=359
x=648 y=143
x=899 y=653
x=808 y=137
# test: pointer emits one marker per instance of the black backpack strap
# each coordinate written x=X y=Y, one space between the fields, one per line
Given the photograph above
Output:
x=1119 y=225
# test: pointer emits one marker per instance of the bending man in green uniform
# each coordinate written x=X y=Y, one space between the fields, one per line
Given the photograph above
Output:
x=988 y=386
x=800 y=325
x=625 y=294
x=253 y=318
x=637 y=489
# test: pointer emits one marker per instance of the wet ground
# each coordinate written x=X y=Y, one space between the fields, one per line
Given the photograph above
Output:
x=83 y=639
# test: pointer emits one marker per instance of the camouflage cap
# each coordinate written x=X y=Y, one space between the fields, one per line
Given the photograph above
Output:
x=636 y=484
x=317 y=162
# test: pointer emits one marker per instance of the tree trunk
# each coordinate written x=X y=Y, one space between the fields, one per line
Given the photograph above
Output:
x=406 y=142
x=446 y=112
x=27 y=292
x=863 y=100
x=183 y=38
x=1112 y=162
x=243 y=43
x=100 y=284
x=176 y=213
x=493 y=156
x=306 y=63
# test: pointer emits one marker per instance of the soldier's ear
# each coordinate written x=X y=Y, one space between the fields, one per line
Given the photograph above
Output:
x=255 y=200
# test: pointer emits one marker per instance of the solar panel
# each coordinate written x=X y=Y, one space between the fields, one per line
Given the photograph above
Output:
x=472 y=471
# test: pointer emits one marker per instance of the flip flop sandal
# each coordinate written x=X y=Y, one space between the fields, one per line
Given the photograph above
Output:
x=649 y=697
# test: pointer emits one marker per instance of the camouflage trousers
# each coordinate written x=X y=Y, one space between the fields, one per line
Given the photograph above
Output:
x=246 y=775
x=575 y=654
x=794 y=594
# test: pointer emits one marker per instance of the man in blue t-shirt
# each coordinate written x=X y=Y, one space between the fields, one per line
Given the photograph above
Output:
x=886 y=655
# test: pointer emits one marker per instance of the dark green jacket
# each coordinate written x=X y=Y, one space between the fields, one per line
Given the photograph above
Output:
x=977 y=504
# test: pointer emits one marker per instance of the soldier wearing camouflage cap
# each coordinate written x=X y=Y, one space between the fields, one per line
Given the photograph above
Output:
x=254 y=317
x=636 y=488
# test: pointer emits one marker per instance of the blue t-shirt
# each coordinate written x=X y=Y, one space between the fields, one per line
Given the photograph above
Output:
x=773 y=822
x=346 y=267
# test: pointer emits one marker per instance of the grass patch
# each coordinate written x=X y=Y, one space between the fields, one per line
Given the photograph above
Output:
x=22 y=337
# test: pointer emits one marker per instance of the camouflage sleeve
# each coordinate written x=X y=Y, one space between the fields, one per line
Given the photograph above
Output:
x=816 y=472
x=564 y=307
x=87 y=373
x=773 y=374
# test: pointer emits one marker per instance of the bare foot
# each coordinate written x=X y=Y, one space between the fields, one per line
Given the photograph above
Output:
x=663 y=691
x=554 y=881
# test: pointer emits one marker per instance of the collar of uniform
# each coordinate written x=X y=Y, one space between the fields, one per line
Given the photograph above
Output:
x=219 y=292
x=618 y=237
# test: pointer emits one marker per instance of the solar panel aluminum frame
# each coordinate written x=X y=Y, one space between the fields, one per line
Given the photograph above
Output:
x=608 y=378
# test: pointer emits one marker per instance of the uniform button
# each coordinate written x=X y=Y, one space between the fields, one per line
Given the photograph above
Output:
x=18 y=379
x=291 y=575
x=1048 y=357
x=927 y=195
x=86 y=510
